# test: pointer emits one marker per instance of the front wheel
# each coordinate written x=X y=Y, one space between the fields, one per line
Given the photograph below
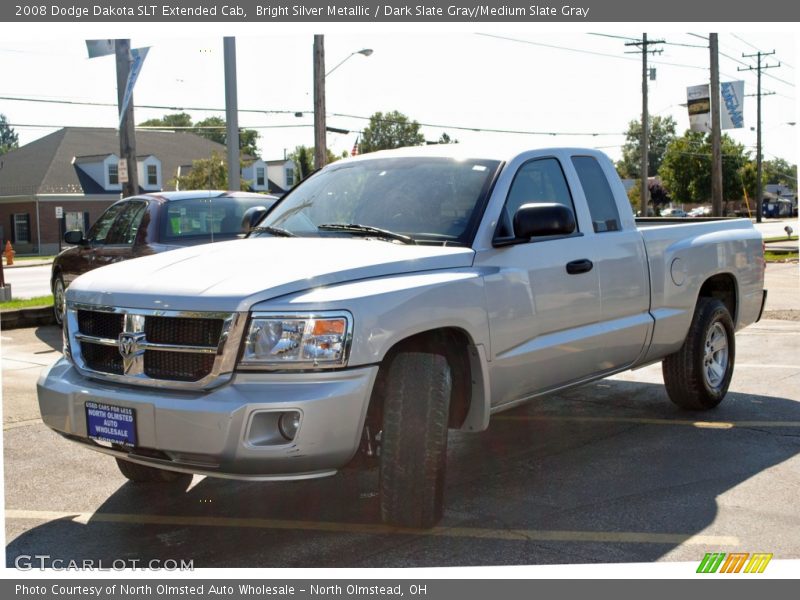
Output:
x=142 y=474
x=698 y=375
x=414 y=439
x=58 y=300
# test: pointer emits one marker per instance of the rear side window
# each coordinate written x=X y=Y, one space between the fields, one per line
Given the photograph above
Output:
x=602 y=206
x=198 y=218
x=538 y=180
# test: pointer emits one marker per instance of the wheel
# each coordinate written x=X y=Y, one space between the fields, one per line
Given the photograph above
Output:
x=58 y=299
x=142 y=474
x=698 y=375
x=414 y=440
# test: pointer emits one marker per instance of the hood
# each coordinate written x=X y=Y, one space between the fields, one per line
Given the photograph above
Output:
x=232 y=276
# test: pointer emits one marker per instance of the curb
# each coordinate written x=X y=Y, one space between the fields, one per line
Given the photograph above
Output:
x=24 y=266
x=27 y=317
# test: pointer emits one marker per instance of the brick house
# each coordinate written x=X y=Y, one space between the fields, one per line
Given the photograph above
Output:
x=75 y=168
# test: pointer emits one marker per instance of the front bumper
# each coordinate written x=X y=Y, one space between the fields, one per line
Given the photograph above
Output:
x=214 y=433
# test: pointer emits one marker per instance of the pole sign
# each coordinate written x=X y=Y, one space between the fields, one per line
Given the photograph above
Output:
x=59 y=212
x=122 y=170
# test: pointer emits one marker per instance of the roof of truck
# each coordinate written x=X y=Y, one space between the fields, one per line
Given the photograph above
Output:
x=487 y=151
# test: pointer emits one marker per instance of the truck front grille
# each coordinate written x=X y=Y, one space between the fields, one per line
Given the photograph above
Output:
x=156 y=348
x=178 y=366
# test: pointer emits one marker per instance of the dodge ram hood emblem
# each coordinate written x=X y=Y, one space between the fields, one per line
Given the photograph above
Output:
x=129 y=348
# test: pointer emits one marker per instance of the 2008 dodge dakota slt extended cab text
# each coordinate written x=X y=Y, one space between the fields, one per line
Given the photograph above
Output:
x=388 y=298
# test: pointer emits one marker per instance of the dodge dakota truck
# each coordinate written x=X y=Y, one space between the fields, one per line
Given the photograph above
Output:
x=387 y=299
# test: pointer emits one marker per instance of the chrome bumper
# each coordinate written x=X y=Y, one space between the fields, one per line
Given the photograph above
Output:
x=213 y=433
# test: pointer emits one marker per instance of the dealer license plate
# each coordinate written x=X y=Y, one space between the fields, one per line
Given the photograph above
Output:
x=115 y=424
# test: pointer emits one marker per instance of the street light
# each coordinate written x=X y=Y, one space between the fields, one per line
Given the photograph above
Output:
x=363 y=52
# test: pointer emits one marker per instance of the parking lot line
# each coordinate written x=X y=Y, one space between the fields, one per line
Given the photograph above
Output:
x=650 y=421
x=529 y=535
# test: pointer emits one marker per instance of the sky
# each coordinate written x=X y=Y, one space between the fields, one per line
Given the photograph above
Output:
x=481 y=77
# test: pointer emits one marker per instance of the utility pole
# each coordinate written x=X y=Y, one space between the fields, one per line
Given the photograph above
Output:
x=127 y=137
x=643 y=44
x=232 y=114
x=320 y=143
x=716 y=134
x=758 y=69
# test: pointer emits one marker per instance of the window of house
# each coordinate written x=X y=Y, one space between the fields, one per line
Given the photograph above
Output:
x=260 y=176
x=113 y=174
x=21 y=226
x=602 y=205
x=289 y=178
x=152 y=175
x=76 y=221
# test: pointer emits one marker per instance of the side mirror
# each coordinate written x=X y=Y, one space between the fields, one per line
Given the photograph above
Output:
x=541 y=219
x=252 y=216
x=74 y=238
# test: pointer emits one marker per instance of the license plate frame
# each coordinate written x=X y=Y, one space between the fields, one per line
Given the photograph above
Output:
x=110 y=423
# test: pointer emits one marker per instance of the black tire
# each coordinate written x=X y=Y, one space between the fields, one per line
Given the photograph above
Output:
x=149 y=475
x=414 y=440
x=689 y=377
x=58 y=299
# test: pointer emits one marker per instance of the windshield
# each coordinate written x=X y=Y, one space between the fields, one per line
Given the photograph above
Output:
x=201 y=218
x=426 y=199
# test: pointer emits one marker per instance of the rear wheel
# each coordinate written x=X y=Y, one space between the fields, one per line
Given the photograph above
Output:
x=149 y=475
x=414 y=439
x=698 y=375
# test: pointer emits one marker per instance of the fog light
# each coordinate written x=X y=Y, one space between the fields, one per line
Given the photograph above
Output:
x=288 y=424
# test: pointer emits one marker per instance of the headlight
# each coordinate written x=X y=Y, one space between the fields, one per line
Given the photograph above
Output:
x=303 y=341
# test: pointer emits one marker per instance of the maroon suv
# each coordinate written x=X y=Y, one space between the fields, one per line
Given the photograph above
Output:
x=151 y=223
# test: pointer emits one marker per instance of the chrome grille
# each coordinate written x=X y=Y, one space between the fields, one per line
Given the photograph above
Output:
x=154 y=348
x=100 y=324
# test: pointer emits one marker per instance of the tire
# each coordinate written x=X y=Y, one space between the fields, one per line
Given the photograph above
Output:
x=414 y=440
x=698 y=375
x=58 y=299
x=149 y=475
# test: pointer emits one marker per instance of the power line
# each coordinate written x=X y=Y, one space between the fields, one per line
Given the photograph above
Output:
x=592 y=52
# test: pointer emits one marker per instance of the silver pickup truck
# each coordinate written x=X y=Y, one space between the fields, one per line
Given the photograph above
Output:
x=387 y=299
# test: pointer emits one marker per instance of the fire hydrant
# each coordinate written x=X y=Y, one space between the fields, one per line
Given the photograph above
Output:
x=9 y=253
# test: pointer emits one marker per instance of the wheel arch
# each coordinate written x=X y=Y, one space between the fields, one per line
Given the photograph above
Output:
x=469 y=408
x=723 y=287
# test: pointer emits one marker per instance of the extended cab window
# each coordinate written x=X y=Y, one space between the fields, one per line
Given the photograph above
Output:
x=538 y=180
x=602 y=206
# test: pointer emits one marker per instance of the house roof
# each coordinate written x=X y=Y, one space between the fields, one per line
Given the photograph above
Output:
x=45 y=165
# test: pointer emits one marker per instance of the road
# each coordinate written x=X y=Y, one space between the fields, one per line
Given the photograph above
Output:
x=610 y=472
x=28 y=282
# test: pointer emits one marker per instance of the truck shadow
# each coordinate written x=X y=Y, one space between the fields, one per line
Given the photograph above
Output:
x=608 y=460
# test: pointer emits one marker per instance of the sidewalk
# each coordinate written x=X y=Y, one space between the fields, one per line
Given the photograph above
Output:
x=33 y=262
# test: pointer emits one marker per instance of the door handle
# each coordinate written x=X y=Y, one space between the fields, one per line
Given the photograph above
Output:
x=579 y=266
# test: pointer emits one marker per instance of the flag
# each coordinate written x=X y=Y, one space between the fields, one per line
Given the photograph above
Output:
x=354 y=151
x=137 y=55
x=99 y=47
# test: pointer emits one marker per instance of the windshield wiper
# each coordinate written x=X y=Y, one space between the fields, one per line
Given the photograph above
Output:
x=367 y=230
x=276 y=231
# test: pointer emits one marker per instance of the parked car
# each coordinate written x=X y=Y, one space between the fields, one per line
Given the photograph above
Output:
x=674 y=212
x=391 y=297
x=700 y=211
x=148 y=224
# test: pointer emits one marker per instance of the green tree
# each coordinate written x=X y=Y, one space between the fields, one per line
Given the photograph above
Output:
x=208 y=174
x=446 y=139
x=9 y=140
x=686 y=168
x=390 y=130
x=780 y=171
x=212 y=128
x=303 y=158
x=178 y=120
x=662 y=132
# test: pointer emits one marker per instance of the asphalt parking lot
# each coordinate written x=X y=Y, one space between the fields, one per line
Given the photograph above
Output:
x=611 y=472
